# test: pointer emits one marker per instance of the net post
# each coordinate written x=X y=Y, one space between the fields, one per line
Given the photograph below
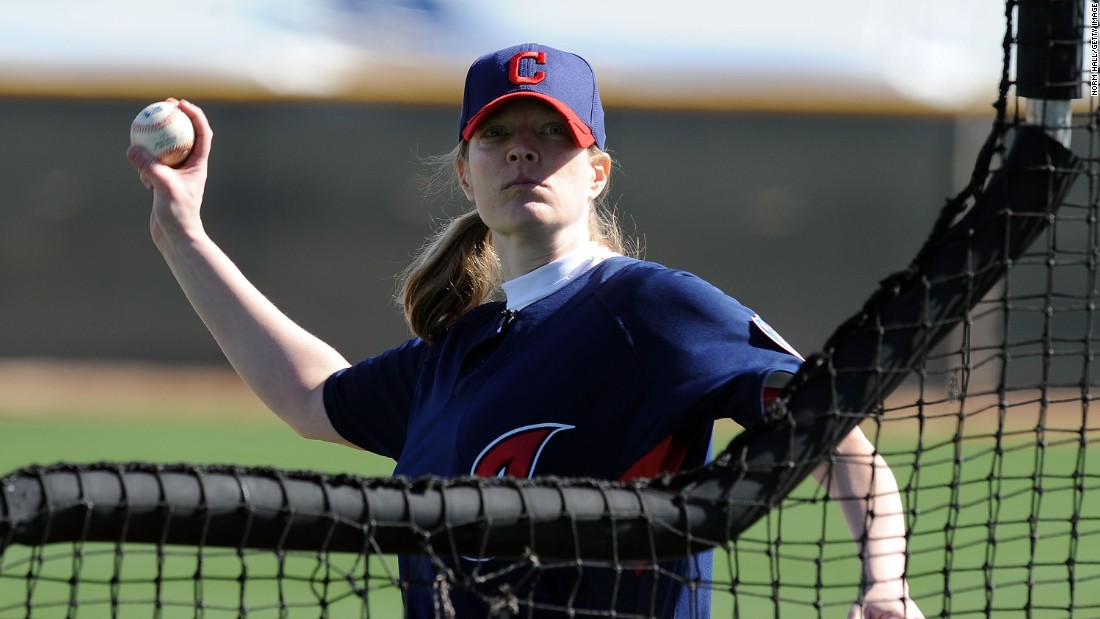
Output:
x=1049 y=49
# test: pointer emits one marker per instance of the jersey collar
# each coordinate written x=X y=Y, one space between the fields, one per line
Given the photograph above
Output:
x=549 y=278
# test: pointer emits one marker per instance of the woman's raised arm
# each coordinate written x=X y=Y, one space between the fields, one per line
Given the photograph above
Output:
x=281 y=362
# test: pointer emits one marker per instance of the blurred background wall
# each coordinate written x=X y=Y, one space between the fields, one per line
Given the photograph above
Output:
x=790 y=157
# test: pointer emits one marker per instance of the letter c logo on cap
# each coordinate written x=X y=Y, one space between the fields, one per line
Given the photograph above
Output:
x=513 y=68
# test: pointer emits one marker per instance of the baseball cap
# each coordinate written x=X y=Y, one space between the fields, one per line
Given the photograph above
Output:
x=562 y=79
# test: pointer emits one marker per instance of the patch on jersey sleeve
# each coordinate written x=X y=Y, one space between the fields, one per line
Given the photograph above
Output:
x=774 y=336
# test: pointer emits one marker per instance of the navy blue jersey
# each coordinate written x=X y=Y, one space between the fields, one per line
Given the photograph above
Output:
x=618 y=375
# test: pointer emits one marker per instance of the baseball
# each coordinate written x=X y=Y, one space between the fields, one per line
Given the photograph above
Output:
x=164 y=131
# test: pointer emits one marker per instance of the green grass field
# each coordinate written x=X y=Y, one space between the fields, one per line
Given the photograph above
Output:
x=1029 y=558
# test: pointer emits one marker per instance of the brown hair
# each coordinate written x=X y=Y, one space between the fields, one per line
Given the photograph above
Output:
x=457 y=269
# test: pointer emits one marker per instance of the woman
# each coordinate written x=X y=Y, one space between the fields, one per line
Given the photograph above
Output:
x=594 y=365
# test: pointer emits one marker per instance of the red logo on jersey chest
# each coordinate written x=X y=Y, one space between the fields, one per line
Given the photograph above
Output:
x=515 y=453
x=514 y=66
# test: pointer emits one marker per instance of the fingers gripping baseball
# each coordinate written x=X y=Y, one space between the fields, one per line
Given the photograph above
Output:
x=177 y=191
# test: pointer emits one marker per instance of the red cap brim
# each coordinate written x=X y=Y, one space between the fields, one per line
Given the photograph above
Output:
x=582 y=134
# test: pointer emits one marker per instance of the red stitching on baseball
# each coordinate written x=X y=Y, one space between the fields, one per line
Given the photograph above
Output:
x=157 y=125
x=179 y=148
x=170 y=154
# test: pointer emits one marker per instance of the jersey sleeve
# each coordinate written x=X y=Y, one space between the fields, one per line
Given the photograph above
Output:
x=704 y=354
x=369 y=403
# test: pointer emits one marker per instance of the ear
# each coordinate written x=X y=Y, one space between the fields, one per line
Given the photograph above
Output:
x=463 y=179
x=601 y=166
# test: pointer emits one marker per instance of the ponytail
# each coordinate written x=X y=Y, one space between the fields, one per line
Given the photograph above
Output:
x=455 y=272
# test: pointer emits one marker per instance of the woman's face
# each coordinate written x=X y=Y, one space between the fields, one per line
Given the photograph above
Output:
x=527 y=176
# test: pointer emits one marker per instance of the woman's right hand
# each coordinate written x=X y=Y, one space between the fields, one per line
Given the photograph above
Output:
x=177 y=192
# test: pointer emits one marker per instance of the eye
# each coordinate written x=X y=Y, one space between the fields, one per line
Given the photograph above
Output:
x=555 y=128
x=493 y=131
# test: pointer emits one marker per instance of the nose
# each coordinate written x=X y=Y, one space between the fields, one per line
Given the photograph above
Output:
x=522 y=150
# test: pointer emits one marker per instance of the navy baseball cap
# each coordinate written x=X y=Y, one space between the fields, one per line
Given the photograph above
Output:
x=562 y=79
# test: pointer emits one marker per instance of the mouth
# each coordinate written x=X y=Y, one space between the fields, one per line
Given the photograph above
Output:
x=522 y=182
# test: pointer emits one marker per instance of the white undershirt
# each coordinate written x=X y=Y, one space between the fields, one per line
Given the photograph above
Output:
x=549 y=278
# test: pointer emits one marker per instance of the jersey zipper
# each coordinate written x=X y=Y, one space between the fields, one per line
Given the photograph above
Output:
x=506 y=321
